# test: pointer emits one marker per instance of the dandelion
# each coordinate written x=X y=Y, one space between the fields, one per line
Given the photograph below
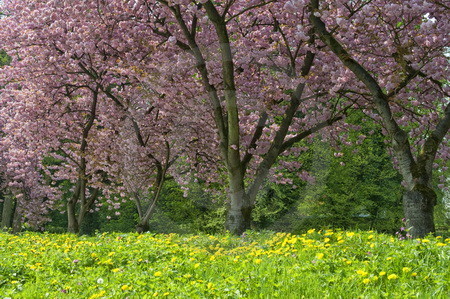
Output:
x=362 y=272
x=406 y=269
x=392 y=276
x=125 y=287
x=350 y=234
x=319 y=256
x=414 y=274
x=157 y=273
x=258 y=261
x=115 y=270
x=196 y=265
x=382 y=273
x=366 y=280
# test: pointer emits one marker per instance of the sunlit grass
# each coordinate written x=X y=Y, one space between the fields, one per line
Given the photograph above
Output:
x=257 y=265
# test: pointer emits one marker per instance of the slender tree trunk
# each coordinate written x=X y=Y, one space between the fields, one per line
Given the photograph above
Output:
x=17 y=220
x=7 y=212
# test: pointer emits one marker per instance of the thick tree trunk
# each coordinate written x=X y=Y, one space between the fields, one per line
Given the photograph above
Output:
x=72 y=222
x=418 y=206
x=240 y=211
x=7 y=212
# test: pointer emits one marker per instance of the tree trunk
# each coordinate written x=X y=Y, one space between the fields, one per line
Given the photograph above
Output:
x=418 y=206
x=7 y=212
x=17 y=220
x=72 y=222
x=239 y=214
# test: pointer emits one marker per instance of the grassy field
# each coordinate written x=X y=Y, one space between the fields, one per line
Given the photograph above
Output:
x=318 y=264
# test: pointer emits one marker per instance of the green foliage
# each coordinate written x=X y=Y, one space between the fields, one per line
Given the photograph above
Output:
x=357 y=188
x=330 y=264
x=4 y=58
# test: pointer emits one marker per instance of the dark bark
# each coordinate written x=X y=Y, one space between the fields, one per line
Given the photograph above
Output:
x=17 y=220
x=72 y=222
x=7 y=212
x=418 y=207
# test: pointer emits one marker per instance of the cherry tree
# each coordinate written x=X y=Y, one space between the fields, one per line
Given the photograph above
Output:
x=396 y=50
x=252 y=67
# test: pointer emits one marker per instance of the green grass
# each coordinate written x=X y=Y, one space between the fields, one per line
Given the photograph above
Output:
x=319 y=264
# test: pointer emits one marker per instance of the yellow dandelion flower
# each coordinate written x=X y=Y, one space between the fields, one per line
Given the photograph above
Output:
x=98 y=295
x=319 y=256
x=441 y=244
x=258 y=261
x=366 y=280
x=111 y=253
x=406 y=269
x=414 y=274
x=382 y=273
x=425 y=240
x=125 y=287
x=362 y=272
x=157 y=273
x=196 y=265
x=350 y=234
x=166 y=294
x=392 y=276
x=115 y=270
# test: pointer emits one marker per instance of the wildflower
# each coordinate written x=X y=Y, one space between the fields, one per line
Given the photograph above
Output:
x=75 y=261
x=115 y=270
x=382 y=273
x=425 y=240
x=392 y=276
x=406 y=269
x=98 y=295
x=414 y=274
x=100 y=281
x=362 y=272
x=157 y=273
x=166 y=294
x=258 y=261
x=319 y=256
x=441 y=244
x=366 y=280
x=125 y=287
x=196 y=265
x=350 y=234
